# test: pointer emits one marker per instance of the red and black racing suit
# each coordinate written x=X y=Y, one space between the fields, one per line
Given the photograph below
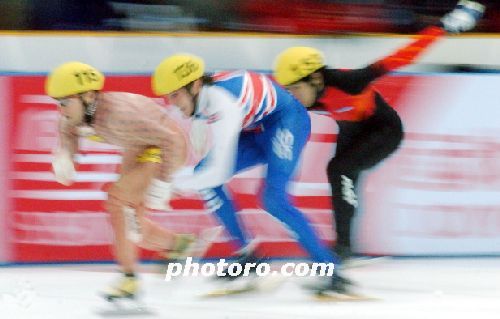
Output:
x=370 y=130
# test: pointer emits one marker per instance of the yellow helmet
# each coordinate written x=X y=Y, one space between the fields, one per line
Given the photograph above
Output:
x=296 y=63
x=73 y=78
x=175 y=72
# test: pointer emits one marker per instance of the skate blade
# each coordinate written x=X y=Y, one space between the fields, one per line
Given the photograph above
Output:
x=228 y=292
x=112 y=298
x=344 y=297
x=257 y=285
x=363 y=262
x=125 y=306
x=268 y=284
x=120 y=312
x=232 y=288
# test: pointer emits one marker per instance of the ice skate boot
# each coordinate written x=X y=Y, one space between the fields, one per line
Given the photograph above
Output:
x=126 y=287
x=179 y=251
x=181 y=247
x=337 y=289
x=246 y=257
x=344 y=252
x=190 y=245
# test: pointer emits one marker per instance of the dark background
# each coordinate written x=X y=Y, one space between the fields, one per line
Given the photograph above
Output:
x=281 y=16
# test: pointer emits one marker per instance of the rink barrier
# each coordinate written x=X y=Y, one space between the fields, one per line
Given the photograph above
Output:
x=455 y=156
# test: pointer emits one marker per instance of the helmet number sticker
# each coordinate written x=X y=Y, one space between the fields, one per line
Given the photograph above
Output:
x=307 y=65
x=185 y=69
x=87 y=76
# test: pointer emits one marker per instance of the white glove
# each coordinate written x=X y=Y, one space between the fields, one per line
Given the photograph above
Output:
x=464 y=17
x=63 y=167
x=158 y=195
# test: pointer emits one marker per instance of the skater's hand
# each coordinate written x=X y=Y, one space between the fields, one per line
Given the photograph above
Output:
x=63 y=167
x=158 y=195
x=183 y=192
x=464 y=17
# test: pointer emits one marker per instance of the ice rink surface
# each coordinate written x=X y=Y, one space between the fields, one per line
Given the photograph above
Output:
x=405 y=288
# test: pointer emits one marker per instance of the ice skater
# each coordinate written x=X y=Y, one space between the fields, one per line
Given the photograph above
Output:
x=154 y=147
x=370 y=130
x=253 y=121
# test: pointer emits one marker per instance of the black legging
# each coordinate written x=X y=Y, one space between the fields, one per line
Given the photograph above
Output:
x=360 y=145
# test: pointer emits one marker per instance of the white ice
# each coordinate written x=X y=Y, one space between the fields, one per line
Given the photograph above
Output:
x=406 y=289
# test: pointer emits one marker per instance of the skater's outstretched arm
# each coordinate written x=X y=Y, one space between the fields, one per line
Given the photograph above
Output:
x=225 y=119
x=463 y=18
x=355 y=81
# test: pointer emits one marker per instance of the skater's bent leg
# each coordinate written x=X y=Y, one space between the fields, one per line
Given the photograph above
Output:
x=282 y=154
x=344 y=185
x=125 y=251
x=154 y=236
x=126 y=196
x=277 y=203
x=218 y=201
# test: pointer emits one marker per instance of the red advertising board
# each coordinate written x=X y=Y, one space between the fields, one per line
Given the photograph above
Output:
x=431 y=197
x=52 y=222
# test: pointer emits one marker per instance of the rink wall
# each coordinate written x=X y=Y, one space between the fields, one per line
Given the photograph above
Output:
x=438 y=195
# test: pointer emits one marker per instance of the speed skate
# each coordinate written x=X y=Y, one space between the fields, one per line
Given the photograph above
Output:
x=346 y=297
x=124 y=307
x=363 y=261
x=221 y=292
x=246 y=285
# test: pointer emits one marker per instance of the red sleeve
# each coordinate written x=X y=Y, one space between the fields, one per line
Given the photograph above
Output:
x=409 y=53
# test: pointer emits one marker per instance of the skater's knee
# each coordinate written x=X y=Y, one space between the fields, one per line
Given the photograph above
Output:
x=272 y=199
x=333 y=169
x=120 y=196
x=336 y=166
x=115 y=206
x=116 y=219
